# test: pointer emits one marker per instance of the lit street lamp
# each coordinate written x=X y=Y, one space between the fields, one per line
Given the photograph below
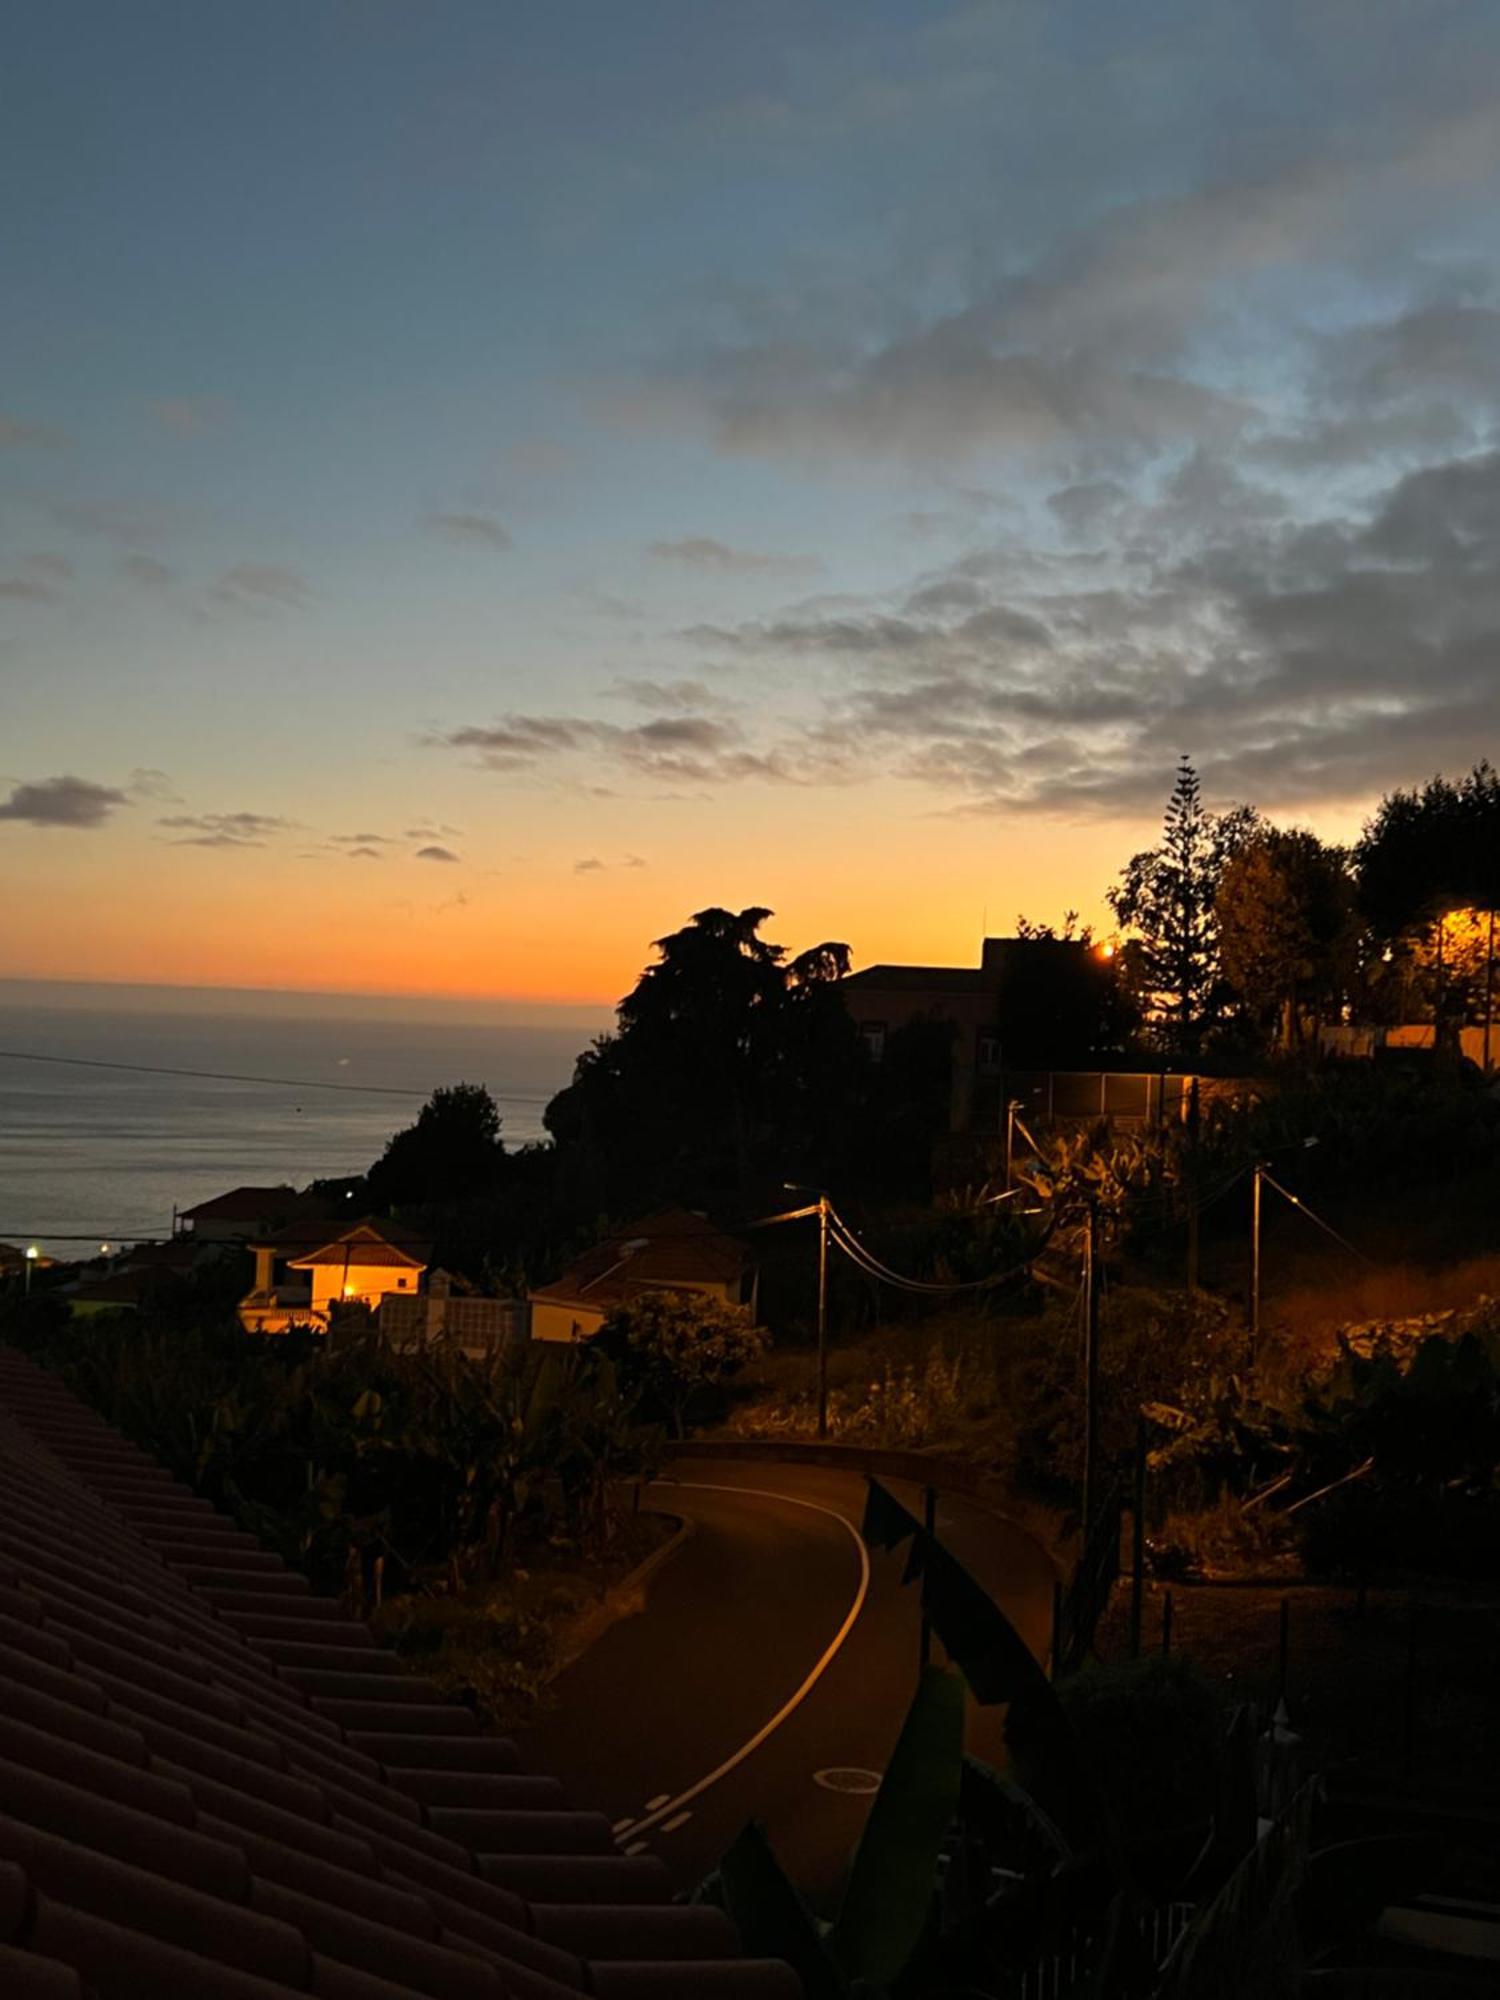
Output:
x=32 y=1253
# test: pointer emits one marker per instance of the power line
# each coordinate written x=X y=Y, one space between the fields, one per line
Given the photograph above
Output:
x=850 y=1244
x=1312 y=1216
x=235 y=1076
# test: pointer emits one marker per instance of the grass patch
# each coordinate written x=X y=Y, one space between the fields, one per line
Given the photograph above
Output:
x=497 y=1646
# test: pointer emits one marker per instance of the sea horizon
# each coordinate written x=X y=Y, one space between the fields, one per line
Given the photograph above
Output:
x=120 y=1107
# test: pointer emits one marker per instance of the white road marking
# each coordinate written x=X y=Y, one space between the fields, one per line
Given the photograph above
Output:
x=622 y=1826
x=660 y=1800
x=848 y=1778
x=678 y=1819
x=667 y=1806
x=638 y=1847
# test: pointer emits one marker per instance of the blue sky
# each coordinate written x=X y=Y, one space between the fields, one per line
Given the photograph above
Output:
x=834 y=455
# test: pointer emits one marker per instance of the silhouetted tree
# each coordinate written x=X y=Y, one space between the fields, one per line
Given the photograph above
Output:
x=1288 y=932
x=453 y=1152
x=727 y=1068
x=1166 y=896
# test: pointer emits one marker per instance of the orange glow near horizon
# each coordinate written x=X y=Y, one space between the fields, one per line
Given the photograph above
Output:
x=925 y=890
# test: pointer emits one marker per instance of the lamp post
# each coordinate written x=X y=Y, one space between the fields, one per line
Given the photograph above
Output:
x=822 y=1213
x=32 y=1253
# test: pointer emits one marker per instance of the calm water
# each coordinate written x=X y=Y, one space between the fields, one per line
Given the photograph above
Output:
x=107 y=1153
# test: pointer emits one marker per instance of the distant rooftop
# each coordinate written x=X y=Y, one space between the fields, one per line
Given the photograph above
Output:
x=241 y=1204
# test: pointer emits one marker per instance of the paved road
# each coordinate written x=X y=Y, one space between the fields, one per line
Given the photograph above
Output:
x=770 y=1648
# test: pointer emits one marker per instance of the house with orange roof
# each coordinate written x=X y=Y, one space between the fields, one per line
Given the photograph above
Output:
x=308 y=1269
x=673 y=1250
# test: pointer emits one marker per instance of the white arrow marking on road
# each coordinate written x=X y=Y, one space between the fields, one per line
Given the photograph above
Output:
x=672 y=1805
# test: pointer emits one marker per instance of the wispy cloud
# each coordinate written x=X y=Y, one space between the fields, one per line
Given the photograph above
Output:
x=435 y=853
x=188 y=416
x=146 y=571
x=592 y=865
x=259 y=587
x=41 y=437
x=702 y=552
x=471 y=530
x=61 y=801
x=231 y=829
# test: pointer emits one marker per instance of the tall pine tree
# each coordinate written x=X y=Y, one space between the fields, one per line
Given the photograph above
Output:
x=1165 y=897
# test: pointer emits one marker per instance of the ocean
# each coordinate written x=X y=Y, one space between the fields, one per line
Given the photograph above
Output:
x=111 y=1152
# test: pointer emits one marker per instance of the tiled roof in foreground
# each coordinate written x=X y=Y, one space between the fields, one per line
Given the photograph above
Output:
x=213 y=1783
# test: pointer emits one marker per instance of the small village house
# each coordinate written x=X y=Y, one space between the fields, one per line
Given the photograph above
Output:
x=242 y=1215
x=674 y=1250
x=306 y=1271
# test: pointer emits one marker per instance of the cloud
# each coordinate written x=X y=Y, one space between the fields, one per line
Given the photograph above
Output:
x=153 y=785
x=261 y=587
x=1112 y=309
x=61 y=801
x=38 y=583
x=684 y=748
x=676 y=697
x=232 y=829
x=435 y=854
x=57 y=567
x=146 y=571
x=41 y=437
x=702 y=552
x=126 y=523
x=364 y=853
x=187 y=416
x=470 y=530
x=592 y=865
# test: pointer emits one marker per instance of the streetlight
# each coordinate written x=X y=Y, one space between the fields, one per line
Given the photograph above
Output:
x=822 y=1211
x=32 y=1253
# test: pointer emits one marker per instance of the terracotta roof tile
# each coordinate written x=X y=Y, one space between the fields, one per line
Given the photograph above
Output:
x=214 y=1783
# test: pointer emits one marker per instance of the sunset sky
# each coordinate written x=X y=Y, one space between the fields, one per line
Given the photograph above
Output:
x=479 y=482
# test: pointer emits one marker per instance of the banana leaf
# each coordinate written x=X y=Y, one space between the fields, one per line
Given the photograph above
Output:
x=1348 y=1885
x=889 y=1896
x=771 y=1917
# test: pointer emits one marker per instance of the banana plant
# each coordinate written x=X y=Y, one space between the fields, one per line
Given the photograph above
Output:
x=888 y=1902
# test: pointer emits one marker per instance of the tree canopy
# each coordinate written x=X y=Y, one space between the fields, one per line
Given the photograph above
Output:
x=1287 y=927
x=452 y=1152
x=1166 y=896
x=729 y=1065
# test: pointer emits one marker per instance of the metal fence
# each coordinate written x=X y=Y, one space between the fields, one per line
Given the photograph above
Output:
x=476 y=1326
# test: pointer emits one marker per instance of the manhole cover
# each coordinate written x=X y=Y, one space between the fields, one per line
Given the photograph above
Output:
x=848 y=1778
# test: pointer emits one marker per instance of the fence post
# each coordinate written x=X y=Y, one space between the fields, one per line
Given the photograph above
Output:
x=929 y=1522
x=1138 y=1540
x=1057 y=1625
x=1409 y=1704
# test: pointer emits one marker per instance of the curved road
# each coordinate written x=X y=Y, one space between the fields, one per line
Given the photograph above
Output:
x=770 y=1648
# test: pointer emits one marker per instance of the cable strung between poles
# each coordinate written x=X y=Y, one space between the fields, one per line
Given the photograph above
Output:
x=852 y=1248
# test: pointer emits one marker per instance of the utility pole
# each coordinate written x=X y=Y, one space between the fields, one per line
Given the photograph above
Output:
x=1194 y=1117
x=822 y=1315
x=1255 y=1209
x=1090 y=1370
x=1489 y=991
x=1012 y=1106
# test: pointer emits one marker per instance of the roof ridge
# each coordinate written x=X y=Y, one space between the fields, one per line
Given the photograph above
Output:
x=217 y=1781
